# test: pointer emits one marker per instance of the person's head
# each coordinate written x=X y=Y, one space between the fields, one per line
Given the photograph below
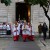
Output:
x=16 y=25
x=25 y=22
x=29 y=23
x=18 y=21
x=15 y=22
x=4 y=23
x=44 y=23
x=40 y=23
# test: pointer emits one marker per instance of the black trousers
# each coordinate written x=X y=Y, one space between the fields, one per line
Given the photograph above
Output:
x=8 y=32
x=44 y=35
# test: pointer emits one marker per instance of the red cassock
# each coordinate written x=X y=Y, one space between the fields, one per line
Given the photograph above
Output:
x=15 y=34
x=15 y=38
x=24 y=37
x=30 y=36
x=24 y=33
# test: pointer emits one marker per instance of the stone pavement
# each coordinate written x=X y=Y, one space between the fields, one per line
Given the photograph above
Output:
x=44 y=45
x=23 y=46
x=9 y=44
x=4 y=42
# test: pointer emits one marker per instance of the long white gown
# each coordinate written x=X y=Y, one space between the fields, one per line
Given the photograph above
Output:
x=16 y=30
x=29 y=30
x=24 y=30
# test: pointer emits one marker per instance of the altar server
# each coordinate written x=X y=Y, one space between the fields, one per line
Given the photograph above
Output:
x=16 y=32
x=24 y=31
x=30 y=36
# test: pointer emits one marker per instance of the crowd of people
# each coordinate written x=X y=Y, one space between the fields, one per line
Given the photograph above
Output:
x=17 y=29
x=24 y=29
x=5 y=27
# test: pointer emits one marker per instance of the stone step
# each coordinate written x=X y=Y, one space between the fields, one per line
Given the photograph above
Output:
x=6 y=36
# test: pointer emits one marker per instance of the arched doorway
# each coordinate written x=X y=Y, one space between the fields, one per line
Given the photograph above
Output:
x=23 y=11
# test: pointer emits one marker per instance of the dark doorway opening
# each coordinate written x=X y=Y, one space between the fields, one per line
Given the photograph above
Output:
x=22 y=11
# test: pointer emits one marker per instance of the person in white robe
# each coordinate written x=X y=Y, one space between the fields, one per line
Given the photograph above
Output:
x=8 y=29
x=4 y=28
x=30 y=35
x=16 y=32
x=24 y=31
x=18 y=28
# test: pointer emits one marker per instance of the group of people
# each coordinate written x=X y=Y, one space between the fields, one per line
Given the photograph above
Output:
x=43 y=29
x=19 y=29
x=24 y=29
x=6 y=27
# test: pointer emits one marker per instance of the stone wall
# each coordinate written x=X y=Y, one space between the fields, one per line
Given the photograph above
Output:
x=7 y=12
x=37 y=17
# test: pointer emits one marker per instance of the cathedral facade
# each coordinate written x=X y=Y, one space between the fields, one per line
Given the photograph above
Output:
x=34 y=13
